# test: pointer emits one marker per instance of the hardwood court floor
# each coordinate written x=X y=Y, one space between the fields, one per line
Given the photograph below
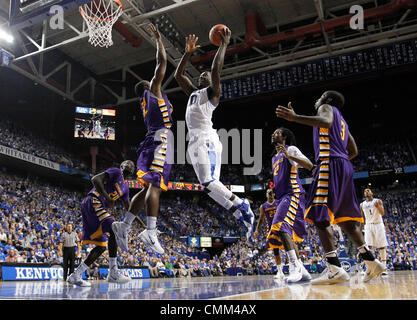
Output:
x=399 y=285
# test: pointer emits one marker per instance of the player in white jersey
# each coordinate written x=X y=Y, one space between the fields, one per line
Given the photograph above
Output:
x=372 y=210
x=204 y=147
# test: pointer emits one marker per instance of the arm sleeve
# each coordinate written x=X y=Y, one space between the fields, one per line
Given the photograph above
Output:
x=295 y=152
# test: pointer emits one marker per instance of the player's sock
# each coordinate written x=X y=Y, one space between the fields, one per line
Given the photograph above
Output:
x=292 y=256
x=237 y=201
x=221 y=200
x=365 y=253
x=331 y=257
x=129 y=218
x=151 y=223
x=113 y=263
x=219 y=193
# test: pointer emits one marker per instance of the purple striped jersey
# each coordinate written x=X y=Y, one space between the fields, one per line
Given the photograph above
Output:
x=285 y=174
x=156 y=112
x=269 y=210
x=116 y=186
x=331 y=142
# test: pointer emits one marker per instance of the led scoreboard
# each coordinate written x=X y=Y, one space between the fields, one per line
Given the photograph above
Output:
x=325 y=69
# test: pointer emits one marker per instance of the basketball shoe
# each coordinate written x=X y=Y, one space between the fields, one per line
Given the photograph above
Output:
x=296 y=273
x=150 y=238
x=115 y=276
x=306 y=274
x=279 y=275
x=331 y=275
x=248 y=218
x=373 y=270
x=76 y=279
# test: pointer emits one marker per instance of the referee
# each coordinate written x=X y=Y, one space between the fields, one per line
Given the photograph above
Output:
x=69 y=241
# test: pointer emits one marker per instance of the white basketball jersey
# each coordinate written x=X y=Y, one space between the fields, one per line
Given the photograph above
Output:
x=371 y=212
x=199 y=112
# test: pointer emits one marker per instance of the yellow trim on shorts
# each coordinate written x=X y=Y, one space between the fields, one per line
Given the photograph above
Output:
x=140 y=175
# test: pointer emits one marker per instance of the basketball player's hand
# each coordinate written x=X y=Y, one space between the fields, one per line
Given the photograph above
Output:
x=191 y=43
x=281 y=148
x=154 y=29
x=286 y=113
x=226 y=36
x=256 y=234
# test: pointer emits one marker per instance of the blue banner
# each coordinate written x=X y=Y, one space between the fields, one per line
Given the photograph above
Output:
x=28 y=272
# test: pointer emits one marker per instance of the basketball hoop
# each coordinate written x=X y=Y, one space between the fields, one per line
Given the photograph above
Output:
x=100 y=16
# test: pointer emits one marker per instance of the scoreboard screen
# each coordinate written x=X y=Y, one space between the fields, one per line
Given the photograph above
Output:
x=94 y=123
x=325 y=69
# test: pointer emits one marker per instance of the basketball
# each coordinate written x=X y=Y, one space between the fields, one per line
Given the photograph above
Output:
x=215 y=36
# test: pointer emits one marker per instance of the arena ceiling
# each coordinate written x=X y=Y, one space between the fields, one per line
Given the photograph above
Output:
x=266 y=34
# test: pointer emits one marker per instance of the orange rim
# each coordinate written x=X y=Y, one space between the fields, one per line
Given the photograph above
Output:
x=98 y=19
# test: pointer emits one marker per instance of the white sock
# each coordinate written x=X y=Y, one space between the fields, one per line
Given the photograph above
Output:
x=237 y=201
x=279 y=268
x=292 y=256
x=151 y=223
x=221 y=200
x=222 y=195
x=113 y=263
x=129 y=218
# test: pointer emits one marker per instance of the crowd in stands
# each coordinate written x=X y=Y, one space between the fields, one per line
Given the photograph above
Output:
x=20 y=138
x=383 y=153
x=33 y=214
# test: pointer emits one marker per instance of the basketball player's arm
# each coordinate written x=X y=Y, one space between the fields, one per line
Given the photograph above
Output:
x=98 y=181
x=261 y=221
x=351 y=148
x=216 y=68
x=161 y=63
x=379 y=205
x=294 y=154
x=323 y=119
x=184 y=82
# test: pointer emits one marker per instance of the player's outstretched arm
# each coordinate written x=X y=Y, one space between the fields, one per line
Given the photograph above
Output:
x=161 y=62
x=183 y=81
x=352 y=148
x=323 y=119
x=217 y=66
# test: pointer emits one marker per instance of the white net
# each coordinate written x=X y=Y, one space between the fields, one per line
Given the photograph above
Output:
x=100 y=16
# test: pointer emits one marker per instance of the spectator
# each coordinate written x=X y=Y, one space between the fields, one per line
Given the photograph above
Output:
x=3 y=235
x=13 y=256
